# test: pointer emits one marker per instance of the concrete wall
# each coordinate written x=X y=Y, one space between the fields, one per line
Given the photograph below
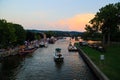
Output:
x=94 y=68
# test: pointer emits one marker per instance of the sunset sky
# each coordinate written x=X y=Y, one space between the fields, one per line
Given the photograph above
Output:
x=65 y=15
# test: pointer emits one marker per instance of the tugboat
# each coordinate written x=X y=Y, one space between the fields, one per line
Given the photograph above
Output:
x=58 y=57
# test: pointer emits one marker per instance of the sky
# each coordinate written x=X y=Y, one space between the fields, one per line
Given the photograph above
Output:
x=65 y=15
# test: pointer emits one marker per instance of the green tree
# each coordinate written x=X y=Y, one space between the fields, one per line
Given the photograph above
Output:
x=106 y=21
x=50 y=34
x=20 y=33
x=30 y=36
x=11 y=34
x=7 y=33
x=3 y=25
x=11 y=37
x=37 y=36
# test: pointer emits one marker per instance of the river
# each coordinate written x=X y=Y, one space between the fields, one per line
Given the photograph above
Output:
x=40 y=65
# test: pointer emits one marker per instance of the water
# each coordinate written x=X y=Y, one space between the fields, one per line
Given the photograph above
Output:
x=41 y=66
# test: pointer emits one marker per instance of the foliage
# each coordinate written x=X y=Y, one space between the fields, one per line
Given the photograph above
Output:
x=106 y=21
x=30 y=36
x=115 y=37
x=11 y=34
x=92 y=36
x=50 y=33
x=20 y=33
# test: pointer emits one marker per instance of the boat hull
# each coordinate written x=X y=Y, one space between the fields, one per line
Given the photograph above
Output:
x=23 y=52
x=72 y=48
x=58 y=59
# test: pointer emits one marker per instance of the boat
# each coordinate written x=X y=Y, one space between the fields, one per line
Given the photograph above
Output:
x=72 y=48
x=58 y=57
x=46 y=44
x=42 y=44
x=26 y=50
x=52 y=40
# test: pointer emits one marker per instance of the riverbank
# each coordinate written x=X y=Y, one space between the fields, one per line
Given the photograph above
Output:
x=5 y=53
x=110 y=65
x=41 y=66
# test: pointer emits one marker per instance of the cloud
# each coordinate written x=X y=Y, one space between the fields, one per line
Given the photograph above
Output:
x=75 y=23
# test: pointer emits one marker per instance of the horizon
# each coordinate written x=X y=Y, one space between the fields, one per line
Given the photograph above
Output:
x=54 y=30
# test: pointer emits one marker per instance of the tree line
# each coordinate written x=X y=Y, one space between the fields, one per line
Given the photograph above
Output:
x=55 y=33
x=105 y=24
x=12 y=35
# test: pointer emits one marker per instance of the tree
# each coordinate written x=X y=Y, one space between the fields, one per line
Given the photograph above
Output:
x=11 y=37
x=20 y=33
x=49 y=34
x=11 y=34
x=30 y=36
x=106 y=21
x=3 y=25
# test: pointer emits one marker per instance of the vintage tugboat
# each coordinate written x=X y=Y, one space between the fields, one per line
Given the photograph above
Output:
x=58 y=57
x=72 y=48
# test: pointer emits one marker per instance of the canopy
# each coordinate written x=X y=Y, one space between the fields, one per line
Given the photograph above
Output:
x=58 y=49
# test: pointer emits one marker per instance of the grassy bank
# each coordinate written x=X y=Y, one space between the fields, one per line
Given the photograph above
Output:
x=111 y=65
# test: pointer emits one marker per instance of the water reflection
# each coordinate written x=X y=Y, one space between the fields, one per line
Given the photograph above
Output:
x=40 y=65
x=94 y=42
x=10 y=67
x=59 y=65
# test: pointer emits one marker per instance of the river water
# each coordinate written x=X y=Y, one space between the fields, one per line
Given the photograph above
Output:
x=40 y=65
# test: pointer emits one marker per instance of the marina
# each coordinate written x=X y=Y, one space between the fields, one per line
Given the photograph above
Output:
x=40 y=65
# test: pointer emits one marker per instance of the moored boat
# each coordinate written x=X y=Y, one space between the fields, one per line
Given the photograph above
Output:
x=72 y=48
x=25 y=50
x=42 y=44
x=58 y=57
x=46 y=44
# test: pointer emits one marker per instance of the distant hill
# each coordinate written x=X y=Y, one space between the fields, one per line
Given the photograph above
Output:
x=58 y=33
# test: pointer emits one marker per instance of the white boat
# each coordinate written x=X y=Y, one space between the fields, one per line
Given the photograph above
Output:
x=58 y=57
x=46 y=44
x=42 y=44
x=72 y=48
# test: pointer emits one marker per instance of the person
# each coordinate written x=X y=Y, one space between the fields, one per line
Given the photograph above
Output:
x=59 y=55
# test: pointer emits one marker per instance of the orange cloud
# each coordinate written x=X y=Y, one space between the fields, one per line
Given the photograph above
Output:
x=76 y=23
